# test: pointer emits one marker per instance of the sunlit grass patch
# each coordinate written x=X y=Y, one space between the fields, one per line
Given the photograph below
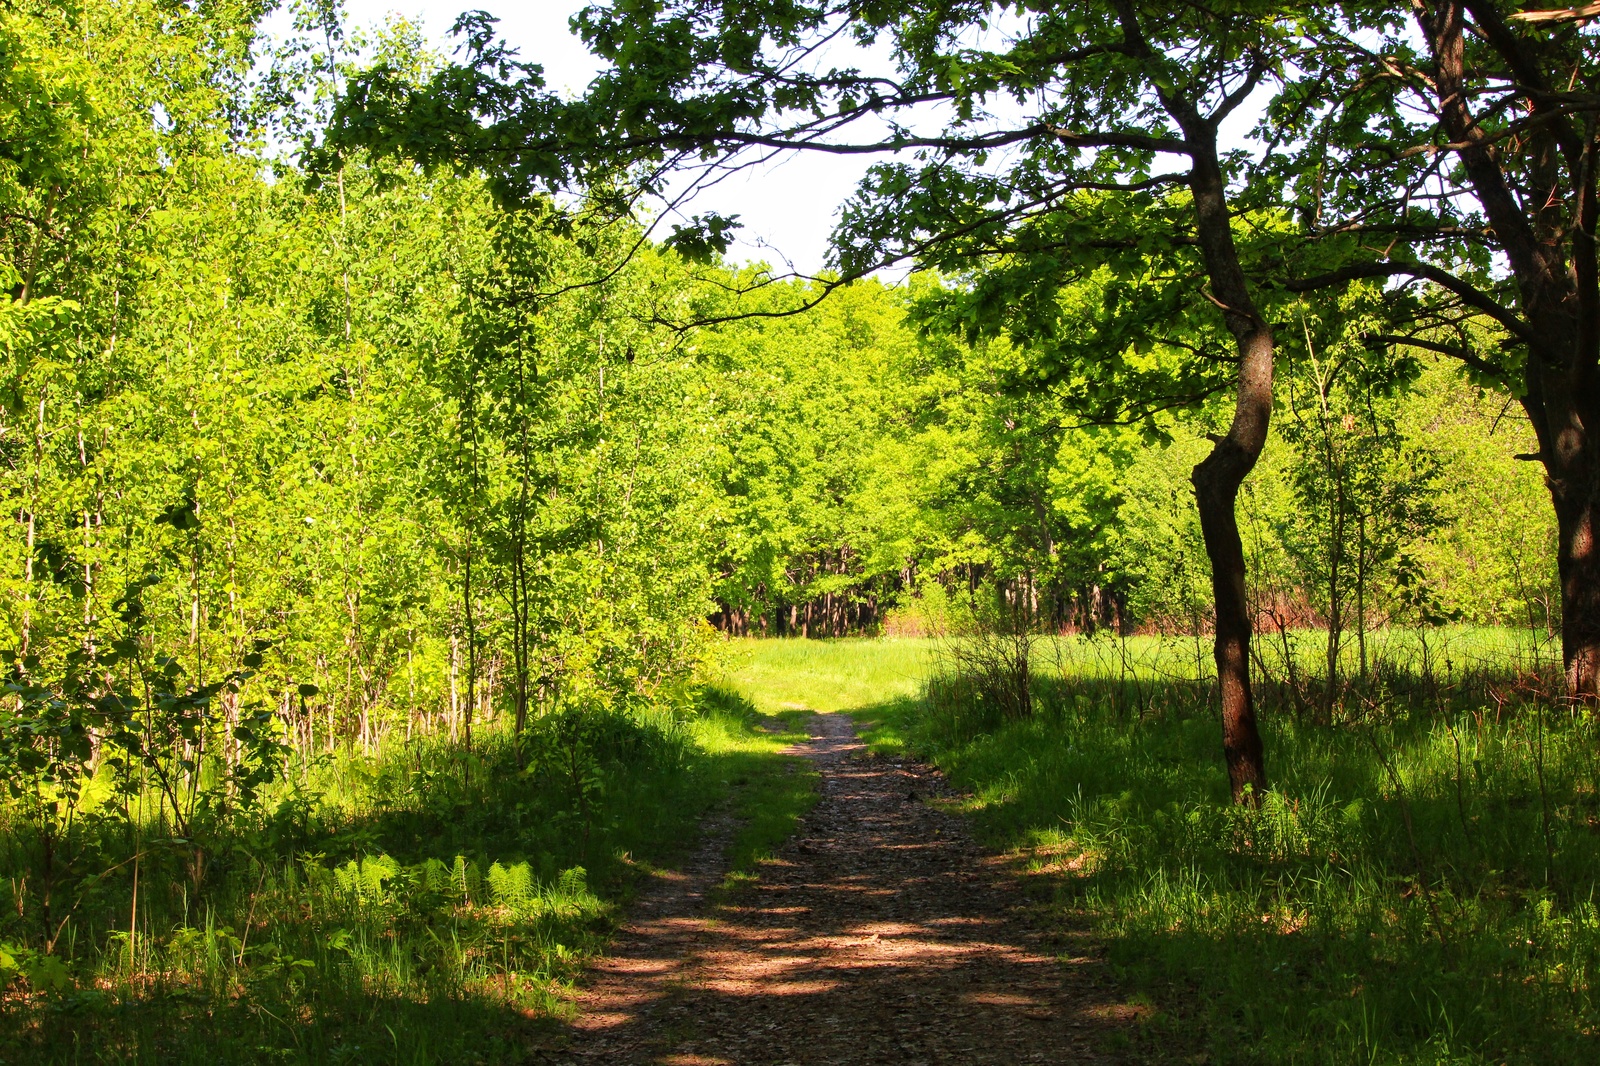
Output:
x=827 y=675
x=1419 y=886
x=865 y=677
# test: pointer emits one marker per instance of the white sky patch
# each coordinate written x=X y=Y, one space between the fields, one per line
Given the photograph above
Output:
x=786 y=205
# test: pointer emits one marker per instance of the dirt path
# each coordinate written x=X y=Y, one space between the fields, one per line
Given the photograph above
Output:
x=881 y=934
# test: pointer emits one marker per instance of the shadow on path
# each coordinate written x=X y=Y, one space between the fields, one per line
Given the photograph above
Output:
x=882 y=933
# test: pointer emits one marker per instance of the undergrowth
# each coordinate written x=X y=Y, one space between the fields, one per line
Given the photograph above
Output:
x=425 y=905
x=1419 y=885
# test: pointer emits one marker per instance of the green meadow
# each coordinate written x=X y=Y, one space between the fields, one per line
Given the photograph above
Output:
x=422 y=905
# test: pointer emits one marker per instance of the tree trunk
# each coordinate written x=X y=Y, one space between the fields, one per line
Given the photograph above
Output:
x=1216 y=485
x=1574 y=489
x=1551 y=250
x=1561 y=407
x=1579 y=564
x=1218 y=477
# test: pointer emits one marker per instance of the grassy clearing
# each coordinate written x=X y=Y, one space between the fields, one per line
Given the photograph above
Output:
x=1419 y=887
x=826 y=675
x=850 y=674
x=423 y=906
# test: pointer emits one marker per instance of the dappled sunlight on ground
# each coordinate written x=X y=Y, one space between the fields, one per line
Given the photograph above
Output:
x=881 y=933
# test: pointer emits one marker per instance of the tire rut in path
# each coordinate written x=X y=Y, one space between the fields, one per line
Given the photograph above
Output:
x=881 y=933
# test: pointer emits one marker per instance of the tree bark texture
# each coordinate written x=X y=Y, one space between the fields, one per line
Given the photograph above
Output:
x=1564 y=426
x=1218 y=477
x=1547 y=235
x=1580 y=592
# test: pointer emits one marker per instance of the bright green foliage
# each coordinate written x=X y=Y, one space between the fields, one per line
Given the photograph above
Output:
x=1050 y=161
x=360 y=534
x=812 y=542
x=931 y=466
x=905 y=467
x=289 y=423
x=356 y=570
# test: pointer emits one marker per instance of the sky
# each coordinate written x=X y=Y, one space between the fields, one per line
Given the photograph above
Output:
x=787 y=209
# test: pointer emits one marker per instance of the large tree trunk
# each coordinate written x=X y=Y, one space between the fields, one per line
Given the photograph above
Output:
x=1218 y=477
x=1567 y=447
x=1548 y=240
x=1216 y=485
x=1579 y=563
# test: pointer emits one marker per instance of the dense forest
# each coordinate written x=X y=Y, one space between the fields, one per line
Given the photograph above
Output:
x=342 y=432
x=388 y=507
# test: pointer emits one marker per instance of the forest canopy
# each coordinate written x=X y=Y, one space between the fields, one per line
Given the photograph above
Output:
x=409 y=457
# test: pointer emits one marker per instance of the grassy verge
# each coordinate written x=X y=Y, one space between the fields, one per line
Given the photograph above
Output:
x=1419 y=887
x=423 y=906
x=770 y=791
x=826 y=675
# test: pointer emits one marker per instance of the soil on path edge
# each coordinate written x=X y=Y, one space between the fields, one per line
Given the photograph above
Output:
x=881 y=933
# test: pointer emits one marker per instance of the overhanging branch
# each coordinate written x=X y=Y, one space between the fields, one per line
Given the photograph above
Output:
x=1455 y=351
x=1469 y=294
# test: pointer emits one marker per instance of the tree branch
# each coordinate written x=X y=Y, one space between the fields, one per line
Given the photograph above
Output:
x=1464 y=355
x=1469 y=294
x=1141 y=141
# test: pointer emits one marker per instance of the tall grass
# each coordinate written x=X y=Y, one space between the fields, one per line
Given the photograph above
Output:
x=424 y=905
x=1419 y=886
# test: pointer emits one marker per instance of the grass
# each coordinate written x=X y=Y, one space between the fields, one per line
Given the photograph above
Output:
x=853 y=674
x=771 y=792
x=826 y=675
x=422 y=906
x=1420 y=886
